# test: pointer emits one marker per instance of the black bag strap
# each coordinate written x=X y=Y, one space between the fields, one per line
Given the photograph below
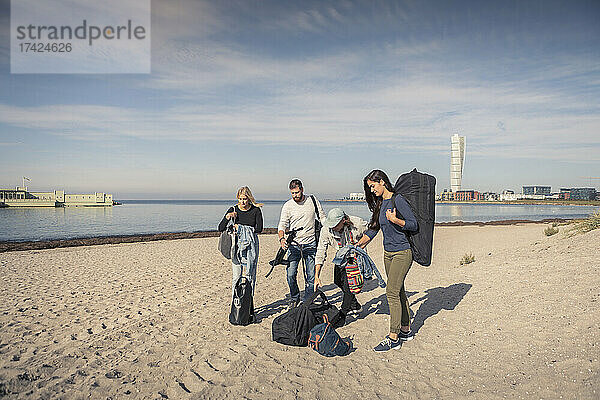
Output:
x=236 y=216
x=231 y=222
x=317 y=216
x=312 y=298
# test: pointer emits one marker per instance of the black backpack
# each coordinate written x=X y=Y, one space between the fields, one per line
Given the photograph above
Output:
x=419 y=191
x=242 y=305
x=293 y=327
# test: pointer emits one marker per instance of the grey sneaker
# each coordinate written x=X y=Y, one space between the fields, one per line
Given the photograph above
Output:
x=406 y=336
x=388 y=344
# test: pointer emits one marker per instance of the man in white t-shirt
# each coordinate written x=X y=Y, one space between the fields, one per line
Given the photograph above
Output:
x=300 y=212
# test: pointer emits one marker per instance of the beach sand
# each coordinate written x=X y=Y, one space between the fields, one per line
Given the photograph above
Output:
x=150 y=321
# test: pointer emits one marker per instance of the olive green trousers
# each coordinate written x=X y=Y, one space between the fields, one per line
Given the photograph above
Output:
x=397 y=264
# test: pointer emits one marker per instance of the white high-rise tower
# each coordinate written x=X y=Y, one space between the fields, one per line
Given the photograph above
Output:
x=457 y=161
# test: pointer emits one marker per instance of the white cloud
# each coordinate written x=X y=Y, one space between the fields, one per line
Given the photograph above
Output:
x=396 y=93
x=344 y=18
x=418 y=114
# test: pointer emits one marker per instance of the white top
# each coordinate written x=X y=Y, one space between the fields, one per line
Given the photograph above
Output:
x=295 y=215
x=330 y=238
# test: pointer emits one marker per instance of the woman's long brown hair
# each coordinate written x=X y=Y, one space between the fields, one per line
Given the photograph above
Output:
x=374 y=202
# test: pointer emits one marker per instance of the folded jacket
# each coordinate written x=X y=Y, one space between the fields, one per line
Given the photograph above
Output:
x=365 y=263
x=246 y=248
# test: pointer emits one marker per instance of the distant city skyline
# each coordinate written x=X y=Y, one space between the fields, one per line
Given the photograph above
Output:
x=246 y=93
x=328 y=196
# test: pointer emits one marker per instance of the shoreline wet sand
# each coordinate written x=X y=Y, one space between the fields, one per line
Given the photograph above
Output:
x=6 y=246
x=148 y=320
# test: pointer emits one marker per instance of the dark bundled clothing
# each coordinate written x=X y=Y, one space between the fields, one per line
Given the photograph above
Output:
x=252 y=217
x=394 y=238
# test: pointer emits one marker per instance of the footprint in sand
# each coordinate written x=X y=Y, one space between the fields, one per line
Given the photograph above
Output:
x=113 y=374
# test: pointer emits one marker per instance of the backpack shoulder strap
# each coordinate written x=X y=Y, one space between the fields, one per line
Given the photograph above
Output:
x=315 y=205
x=398 y=214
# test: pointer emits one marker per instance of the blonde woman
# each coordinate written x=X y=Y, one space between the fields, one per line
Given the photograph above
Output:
x=248 y=222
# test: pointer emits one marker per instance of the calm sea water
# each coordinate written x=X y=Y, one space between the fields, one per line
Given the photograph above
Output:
x=155 y=216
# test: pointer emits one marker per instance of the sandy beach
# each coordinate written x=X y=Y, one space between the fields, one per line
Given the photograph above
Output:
x=149 y=321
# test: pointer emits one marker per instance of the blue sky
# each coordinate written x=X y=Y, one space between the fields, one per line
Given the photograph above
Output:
x=256 y=93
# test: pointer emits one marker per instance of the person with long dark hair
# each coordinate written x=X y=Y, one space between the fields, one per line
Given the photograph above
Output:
x=397 y=255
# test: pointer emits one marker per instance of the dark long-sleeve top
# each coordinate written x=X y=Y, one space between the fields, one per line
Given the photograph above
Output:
x=252 y=217
x=394 y=238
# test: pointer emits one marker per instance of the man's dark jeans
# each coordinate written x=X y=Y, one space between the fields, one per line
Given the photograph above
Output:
x=307 y=253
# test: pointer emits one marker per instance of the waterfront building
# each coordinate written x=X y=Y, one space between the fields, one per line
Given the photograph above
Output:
x=536 y=190
x=356 y=196
x=564 y=194
x=446 y=195
x=457 y=161
x=490 y=196
x=534 y=196
x=467 y=195
x=21 y=197
x=582 y=194
x=508 y=195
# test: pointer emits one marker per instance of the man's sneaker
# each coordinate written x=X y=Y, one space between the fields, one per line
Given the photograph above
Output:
x=388 y=344
x=406 y=336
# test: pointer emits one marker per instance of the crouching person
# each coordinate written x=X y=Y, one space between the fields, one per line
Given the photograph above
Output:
x=339 y=230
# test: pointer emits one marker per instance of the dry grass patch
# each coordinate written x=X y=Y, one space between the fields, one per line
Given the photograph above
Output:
x=468 y=258
x=584 y=225
x=551 y=230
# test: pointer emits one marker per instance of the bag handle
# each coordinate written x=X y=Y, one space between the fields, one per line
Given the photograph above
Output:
x=231 y=222
x=316 y=294
x=236 y=216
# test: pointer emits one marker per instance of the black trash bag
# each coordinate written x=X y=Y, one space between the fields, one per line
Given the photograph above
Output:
x=242 y=305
